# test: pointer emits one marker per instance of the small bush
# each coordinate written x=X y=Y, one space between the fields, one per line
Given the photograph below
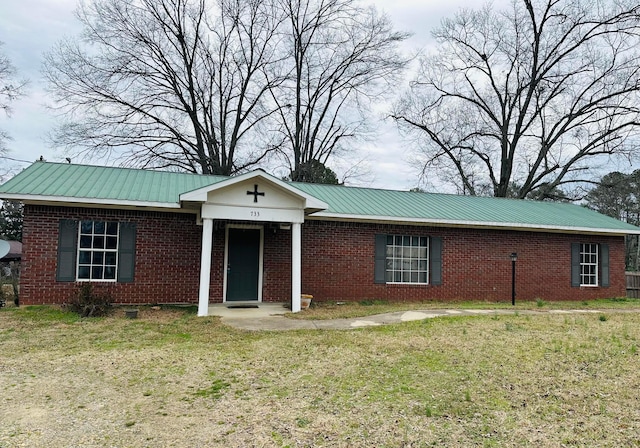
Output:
x=540 y=303
x=88 y=303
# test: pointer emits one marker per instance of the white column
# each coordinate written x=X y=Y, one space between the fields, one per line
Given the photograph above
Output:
x=205 y=266
x=296 y=266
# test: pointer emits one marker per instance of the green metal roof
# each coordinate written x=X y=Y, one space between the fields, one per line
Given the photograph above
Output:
x=44 y=181
x=459 y=210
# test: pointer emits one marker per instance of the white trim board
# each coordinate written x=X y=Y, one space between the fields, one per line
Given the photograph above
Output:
x=320 y=216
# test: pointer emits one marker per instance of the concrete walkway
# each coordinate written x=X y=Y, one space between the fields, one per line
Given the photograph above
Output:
x=269 y=316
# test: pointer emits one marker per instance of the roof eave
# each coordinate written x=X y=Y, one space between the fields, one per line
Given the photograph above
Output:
x=62 y=200
x=522 y=227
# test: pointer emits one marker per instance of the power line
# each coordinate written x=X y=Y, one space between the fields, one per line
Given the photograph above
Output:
x=16 y=160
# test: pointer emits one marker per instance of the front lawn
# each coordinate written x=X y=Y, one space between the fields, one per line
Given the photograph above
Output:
x=172 y=379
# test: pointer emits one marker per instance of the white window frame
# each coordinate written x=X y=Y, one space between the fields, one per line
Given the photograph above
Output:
x=93 y=250
x=589 y=264
x=396 y=261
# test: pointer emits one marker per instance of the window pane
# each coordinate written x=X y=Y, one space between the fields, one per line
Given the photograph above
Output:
x=406 y=241
x=98 y=242
x=397 y=252
x=389 y=277
x=423 y=241
x=96 y=272
x=389 y=240
x=422 y=277
x=86 y=227
x=397 y=276
x=415 y=241
x=85 y=242
x=406 y=277
x=97 y=258
x=112 y=242
x=84 y=257
x=83 y=272
x=112 y=228
x=414 y=277
x=110 y=273
x=98 y=227
x=398 y=240
x=110 y=258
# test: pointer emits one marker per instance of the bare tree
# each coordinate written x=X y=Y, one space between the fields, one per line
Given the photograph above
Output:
x=530 y=98
x=176 y=83
x=168 y=83
x=11 y=89
x=342 y=56
x=616 y=195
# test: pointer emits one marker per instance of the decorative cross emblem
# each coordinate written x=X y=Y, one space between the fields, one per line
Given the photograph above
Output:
x=255 y=193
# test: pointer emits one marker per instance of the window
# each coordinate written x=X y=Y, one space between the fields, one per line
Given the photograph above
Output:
x=97 y=250
x=588 y=264
x=407 y=259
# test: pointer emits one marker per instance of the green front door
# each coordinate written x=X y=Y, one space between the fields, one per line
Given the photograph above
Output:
x=243 y=264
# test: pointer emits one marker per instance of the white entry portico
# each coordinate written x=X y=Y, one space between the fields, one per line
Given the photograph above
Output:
x=251 y=197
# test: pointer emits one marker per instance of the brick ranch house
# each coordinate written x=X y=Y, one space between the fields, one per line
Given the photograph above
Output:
x=162 y=237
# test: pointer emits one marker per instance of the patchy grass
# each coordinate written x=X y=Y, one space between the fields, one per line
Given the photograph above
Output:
x=337 y=310
x=519 y=380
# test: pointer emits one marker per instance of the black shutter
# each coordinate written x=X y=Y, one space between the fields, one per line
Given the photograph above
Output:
x=67 y=249
x=126 y=252
x=435 y=260
x=604 y=265
x=380 y=270
x=575 y=264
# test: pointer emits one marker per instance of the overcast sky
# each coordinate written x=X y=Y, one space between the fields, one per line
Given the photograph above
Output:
x=28 y=28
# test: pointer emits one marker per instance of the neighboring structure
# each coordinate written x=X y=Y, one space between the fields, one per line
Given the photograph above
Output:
x=10 y=251
x=162 y=237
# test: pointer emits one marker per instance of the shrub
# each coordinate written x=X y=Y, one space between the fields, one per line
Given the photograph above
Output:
x=88 y=303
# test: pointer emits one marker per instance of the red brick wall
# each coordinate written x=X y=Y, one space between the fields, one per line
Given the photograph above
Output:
x=338 y=264
x=337 y=261
x=167 y=256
